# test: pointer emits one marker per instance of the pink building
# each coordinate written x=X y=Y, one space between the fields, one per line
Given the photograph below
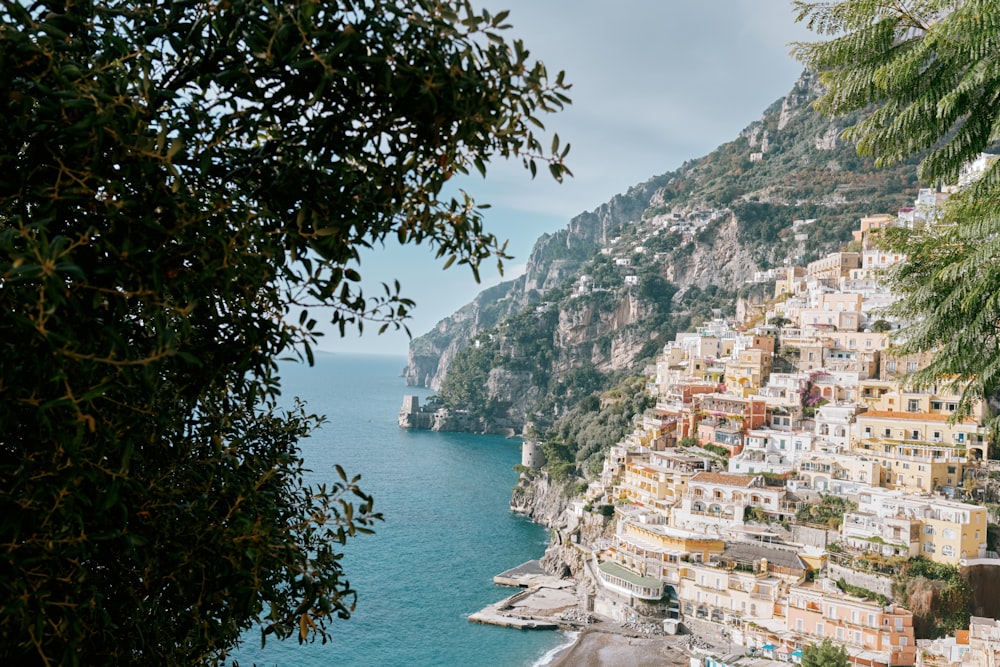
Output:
x=874 y=635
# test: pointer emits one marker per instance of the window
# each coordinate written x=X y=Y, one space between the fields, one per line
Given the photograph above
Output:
x=914 y=434
x=891 y=366
x=936 y=405
x=871 y=620
x=911 y=366
x=820 y=629
x=928 y=530
x=913 y=405
x=840 y=634
x=799 y=625
x=949 y=533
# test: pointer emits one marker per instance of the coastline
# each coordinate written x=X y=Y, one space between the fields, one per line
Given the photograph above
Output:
x=603 y=648
x=543 y=601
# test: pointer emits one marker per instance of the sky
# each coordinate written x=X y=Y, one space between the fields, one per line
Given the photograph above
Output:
x=655 y=83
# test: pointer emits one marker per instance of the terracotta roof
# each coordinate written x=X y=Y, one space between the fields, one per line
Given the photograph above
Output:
x=722 y=478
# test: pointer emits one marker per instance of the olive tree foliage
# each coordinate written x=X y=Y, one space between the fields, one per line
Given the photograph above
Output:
x=180 y=185
x=929 y=73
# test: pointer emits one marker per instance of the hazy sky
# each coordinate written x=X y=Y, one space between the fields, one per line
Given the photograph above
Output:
x=655 y=83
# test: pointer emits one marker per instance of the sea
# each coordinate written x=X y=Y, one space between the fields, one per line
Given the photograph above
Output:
x=448 y=530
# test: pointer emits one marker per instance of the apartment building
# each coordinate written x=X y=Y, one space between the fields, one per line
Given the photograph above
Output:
x=725 y=418
x=829 y=472
x=874 y=635
x=948 y=531
x=728 y=594
x=834 y=266
x=918 y=452
x=658 y=479
x=648 y=547
x=720 y=499
x=984 y=643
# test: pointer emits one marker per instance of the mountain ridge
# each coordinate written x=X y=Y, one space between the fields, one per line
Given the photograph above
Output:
x=604 y=293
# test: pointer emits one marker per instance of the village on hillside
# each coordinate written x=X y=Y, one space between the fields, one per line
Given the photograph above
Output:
x=788 y=473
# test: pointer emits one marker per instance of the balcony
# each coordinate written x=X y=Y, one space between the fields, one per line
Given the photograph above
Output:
x=621 y=580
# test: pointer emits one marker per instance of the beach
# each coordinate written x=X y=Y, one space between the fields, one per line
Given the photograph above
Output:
x=597 y=648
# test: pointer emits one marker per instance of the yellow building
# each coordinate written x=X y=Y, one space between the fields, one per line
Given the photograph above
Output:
x=921 y=415
x=953 y=531
x=644 y=484
x=834 y=266
x=647 y=547
x=791 y=283
x=917 y=451
x=748 y=371
x=945 y=531
x=659 y=479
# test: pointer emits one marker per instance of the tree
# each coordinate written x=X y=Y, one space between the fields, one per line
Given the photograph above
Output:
x=180 y=183
x=826 y=654
x=930 y=73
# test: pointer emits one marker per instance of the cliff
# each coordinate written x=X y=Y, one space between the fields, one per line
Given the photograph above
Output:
x=538 y=498
x=601 y=296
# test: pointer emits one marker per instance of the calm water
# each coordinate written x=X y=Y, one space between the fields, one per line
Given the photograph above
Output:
x=447 y=531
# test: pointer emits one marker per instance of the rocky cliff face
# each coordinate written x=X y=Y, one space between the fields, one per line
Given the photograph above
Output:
x=620 y=277
x=721 y=260
x=430 y=355
x=554 y=259
x=549 y=504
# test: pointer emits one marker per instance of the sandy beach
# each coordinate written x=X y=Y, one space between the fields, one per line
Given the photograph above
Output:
x=595 y=648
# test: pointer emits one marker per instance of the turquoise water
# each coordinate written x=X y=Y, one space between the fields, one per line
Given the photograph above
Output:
x=448 y=530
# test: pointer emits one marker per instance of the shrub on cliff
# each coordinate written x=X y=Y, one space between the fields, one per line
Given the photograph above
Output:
x=938 y=596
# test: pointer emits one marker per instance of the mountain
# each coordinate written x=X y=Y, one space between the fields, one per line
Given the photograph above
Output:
x=601 y=297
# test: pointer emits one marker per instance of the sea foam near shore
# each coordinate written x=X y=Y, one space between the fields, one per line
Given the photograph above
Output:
x=553 y=654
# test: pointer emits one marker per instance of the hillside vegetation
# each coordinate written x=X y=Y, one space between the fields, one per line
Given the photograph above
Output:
x=600 y=298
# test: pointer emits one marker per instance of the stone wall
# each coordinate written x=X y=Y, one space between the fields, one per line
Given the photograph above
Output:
x=815 y=537
x=873 y=582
